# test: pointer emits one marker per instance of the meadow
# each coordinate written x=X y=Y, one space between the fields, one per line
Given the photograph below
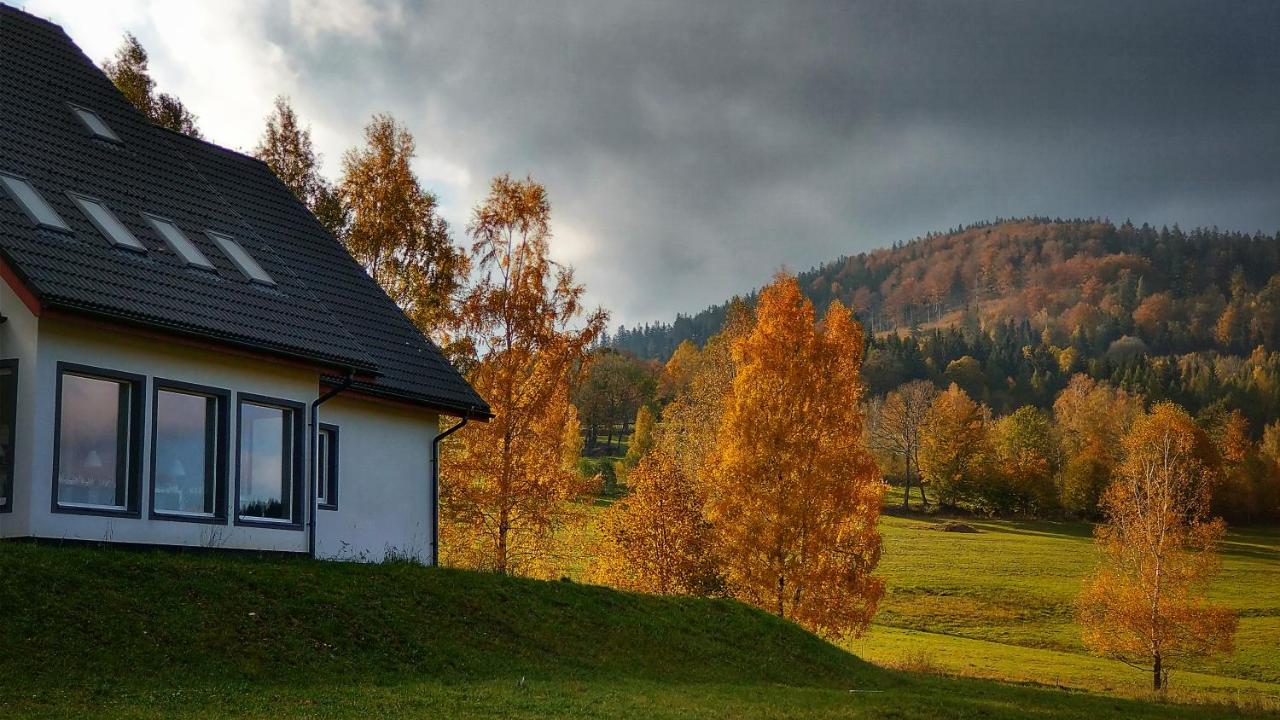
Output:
x=998 y=603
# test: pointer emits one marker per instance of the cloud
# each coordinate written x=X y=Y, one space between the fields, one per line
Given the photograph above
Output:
x=690 y=149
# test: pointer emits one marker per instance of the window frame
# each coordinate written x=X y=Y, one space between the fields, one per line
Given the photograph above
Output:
x=297 y=504
x=248 y=265
x=155 y=221
x=329 y=501
x=111 y=137
x=80 y=200
x=221 y=448
x=61 y=227
x=11 y=364
x=133 y=471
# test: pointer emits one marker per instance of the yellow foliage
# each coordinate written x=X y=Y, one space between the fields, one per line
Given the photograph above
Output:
x=506 y=484
x=1146 y=603
x=795 y=496
x=951 y=443
x=657 y=539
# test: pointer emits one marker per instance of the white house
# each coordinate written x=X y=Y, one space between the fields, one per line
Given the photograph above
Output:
x=187 y=357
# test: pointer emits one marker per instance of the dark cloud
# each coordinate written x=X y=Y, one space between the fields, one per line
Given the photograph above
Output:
x=693 y=148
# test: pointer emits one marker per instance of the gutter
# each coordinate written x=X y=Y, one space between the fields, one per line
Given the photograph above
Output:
x=312 y=437
x=435 y=485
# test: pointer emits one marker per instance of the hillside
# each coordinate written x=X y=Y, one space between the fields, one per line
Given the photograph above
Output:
x=140 y=634
x=1178 y=291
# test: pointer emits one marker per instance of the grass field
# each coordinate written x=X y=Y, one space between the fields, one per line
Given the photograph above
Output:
x=112 y=633
x=998 y=604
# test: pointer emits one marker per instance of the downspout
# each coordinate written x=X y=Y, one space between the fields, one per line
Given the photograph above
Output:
x=313 y=438
x=435 y=486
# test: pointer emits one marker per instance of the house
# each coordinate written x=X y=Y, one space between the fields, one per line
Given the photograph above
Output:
x=187 y=357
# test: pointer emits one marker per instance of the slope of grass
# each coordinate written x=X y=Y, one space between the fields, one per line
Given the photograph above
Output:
x=999 y=604
x=145 y=634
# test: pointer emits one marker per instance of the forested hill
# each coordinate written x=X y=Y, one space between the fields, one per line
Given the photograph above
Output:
x=1174 y=290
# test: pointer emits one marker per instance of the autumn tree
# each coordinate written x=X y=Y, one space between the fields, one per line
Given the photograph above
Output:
x=506 y=483
x=285 y=147
x=795 y=495
x=678 y=371
x=633 y=546
x=642 y=437
x=1090 y=419
x=130 y=73
x=1146 y=603
x=395 y=229
x=951 y=446
x=613 y=389
x=1025 y=457
x=1243 y=490
x=691 y=421
x=657 y=539
x=894 y=428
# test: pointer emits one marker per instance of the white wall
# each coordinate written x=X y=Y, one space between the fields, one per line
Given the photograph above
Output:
x=384 y=459
x=18 y=340
x=384 y=449
x=62 y=340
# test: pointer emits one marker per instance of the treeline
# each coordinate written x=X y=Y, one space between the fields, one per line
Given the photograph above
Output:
x=958 y=454
x=1176 y=291
x=1009 y=365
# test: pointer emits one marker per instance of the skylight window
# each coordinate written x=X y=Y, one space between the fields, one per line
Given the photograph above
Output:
x=95 y=124
x=242 y=259
x=108 y=224
x=40 y=212
x=179 y=243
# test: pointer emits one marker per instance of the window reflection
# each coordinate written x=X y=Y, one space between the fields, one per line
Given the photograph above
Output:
x=93 y=442
x=266 y=455
x=184 y=453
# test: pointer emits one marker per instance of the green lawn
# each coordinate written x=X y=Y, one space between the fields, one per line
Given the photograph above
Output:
x=998 y=604
x=114 y=633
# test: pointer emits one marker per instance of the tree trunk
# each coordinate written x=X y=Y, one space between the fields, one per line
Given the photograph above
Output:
x=906 y=492
x=1157 y=675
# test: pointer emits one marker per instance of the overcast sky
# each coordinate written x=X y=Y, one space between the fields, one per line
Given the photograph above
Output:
x=692 y=148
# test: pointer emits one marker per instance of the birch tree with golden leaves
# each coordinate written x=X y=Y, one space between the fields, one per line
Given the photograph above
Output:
x=395 y=230
x=507 y=483
x=1146 y=604
x=657 y=539
x=692 y=420
x=795 y=496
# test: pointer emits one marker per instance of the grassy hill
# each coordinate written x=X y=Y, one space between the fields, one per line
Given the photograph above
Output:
x=140 y=634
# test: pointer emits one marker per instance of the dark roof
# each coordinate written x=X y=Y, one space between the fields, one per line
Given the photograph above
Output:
x=323 y=308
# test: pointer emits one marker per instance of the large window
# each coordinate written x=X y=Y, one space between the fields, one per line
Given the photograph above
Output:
x=8 y=414
x=99 y=424
x=327 y=467
x=269 y=462
x=188 y=452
